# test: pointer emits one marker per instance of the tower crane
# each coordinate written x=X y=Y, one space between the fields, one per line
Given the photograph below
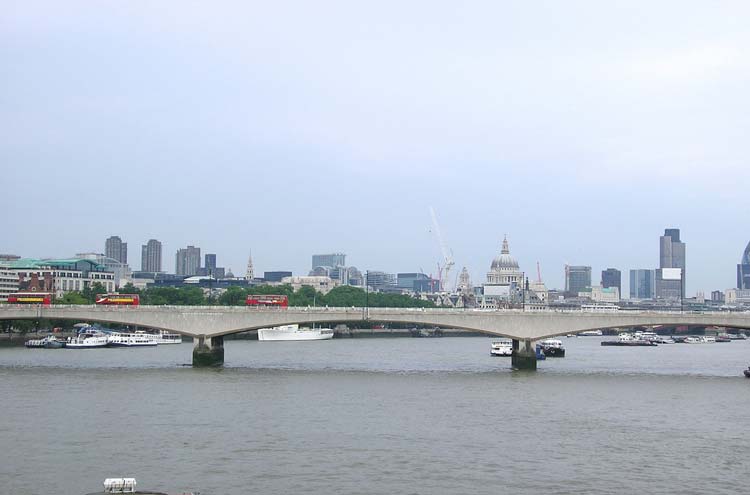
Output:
x=447 y=254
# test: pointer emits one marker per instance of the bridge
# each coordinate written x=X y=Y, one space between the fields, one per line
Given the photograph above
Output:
x=209 y=324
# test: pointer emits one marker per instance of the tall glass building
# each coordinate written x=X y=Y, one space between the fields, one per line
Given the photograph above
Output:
x=743 y=270
x=671 y=255
x=641 y=284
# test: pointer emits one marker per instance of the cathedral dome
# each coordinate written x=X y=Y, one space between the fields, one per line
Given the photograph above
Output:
x=505 y=261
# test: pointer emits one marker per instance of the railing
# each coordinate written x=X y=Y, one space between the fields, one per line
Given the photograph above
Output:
x=352 y=310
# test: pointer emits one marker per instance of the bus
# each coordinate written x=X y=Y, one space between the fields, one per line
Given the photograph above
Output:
x=116 y=299
x=263 y=300
x=30 y=298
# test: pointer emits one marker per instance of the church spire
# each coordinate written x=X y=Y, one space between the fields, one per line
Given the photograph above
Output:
x=250 y=273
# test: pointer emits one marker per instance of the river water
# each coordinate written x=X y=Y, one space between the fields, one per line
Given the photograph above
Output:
x=377 y=416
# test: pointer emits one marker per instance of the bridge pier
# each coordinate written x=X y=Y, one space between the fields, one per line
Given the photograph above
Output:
x=524 y=355
x=208 y=351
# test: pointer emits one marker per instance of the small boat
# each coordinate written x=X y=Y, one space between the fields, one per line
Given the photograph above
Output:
x=552 y=348
x=708 y=339
x=747 y=372
x=723 y=338
x=502 y=347
x=164 y=337
x=571 y=335
x=48 y=342
x=540 y=356
x=693 y=340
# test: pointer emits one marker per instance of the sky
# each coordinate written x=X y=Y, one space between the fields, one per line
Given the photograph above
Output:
x=581 y=129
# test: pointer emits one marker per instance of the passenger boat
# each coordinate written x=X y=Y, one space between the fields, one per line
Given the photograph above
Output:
x=294 y=332
x=627 y=340
x=693 y=340
x=87 y=338
x=590 y=333
x=48 y=342
x=552 y=348
x=502 y=347
x=164 y=337
x=136 y=339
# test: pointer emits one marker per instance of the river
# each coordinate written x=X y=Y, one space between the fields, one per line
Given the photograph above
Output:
x=377 y=416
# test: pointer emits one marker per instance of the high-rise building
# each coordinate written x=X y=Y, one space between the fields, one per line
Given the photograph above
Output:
x=671 y=255
x=577 y=278
x=210 y=261
x=611 y=277
x=116 y=249
x=332 y=260
x=743 y=270
x=187 y=261
x=151 y=256
x=641 y=284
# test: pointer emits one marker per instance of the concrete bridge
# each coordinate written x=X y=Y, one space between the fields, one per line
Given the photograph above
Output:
x=209 y=324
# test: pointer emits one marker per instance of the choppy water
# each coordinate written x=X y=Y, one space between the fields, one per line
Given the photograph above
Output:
x=377 y=416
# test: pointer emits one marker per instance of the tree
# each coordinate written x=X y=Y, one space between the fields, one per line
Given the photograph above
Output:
x=233 y=296
x=72 y=298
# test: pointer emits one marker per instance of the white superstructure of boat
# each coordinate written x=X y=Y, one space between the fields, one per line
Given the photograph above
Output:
x=502 y=347
x=591 y=333
x=164 y=337
x=87 y=338
x=294 y=332
x=135 y=339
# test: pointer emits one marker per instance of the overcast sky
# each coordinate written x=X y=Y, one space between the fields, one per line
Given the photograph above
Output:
x=581 y=129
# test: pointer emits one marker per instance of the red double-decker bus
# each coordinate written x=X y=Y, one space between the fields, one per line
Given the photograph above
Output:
x=30 y=298
x=273 y=301
x=116 y=299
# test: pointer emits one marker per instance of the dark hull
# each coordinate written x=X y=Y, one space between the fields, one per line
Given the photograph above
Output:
x=747 y=373
x=554 y=352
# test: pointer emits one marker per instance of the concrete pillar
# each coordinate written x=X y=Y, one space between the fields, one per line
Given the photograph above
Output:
x=524 y=355
x=208 y=351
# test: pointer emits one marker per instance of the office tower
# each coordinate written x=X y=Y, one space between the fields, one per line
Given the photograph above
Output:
x=611 y=277
x=116 y=249
x=210 y=261
x=743 y=270
x=151 y=256
x=669 y=283
x=641 y=284
x=577 y=278
x=332 y=260
x=187 y=261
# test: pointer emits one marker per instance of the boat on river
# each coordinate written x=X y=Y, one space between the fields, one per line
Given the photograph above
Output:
x=502 y=348
x=48 y=342
x=135 y=339
x=164 y=337
x=294 y=332
x=628 y=340
x=88 y=338
x=590 y=333
x=552 y=348
x=747 y=372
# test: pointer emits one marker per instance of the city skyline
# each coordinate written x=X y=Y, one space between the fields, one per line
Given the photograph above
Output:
x=582 y=141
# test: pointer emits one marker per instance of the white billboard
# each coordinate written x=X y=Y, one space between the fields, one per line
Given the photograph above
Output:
x=671 y=273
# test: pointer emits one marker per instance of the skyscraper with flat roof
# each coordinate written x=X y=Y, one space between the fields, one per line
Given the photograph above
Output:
x=577 y=278
x=332 y=260
x=611 y=277
x=671 y=255
x=151 y=256
x=116 y=249
x=187 y=261
x=641 y=284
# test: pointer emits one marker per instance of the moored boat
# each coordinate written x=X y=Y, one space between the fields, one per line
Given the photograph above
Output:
x=552 y=348
x=87 y=338
x=590 y=333
x=502 y=347
x=747 y=372
x=48 y=342
x=628 y=340
x=135 y=339
x=294 y=332
x=164 y=337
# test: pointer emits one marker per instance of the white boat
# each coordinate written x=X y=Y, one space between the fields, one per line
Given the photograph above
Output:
x=502 y=347
x=708 y=339
x=135 y=339
x=294 y=332
x=87 y=338
x=164 y=337
x=591 y=333
x=693 y=340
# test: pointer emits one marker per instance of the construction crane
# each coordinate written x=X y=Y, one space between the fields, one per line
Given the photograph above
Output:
x=538 y=273
x=448 y=262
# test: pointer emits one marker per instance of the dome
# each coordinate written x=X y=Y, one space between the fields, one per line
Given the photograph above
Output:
x=505 y=261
